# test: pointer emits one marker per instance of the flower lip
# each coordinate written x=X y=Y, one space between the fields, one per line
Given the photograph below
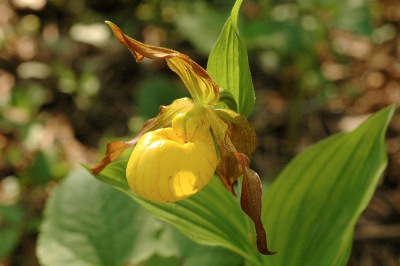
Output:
x=164 y=169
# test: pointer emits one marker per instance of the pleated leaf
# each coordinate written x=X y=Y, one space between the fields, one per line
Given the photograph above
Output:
x=210 y=217
x=313 y=206
x=229 y=67
x=90 y=223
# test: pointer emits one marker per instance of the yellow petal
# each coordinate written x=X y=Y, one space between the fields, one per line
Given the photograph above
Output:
x=163 y=168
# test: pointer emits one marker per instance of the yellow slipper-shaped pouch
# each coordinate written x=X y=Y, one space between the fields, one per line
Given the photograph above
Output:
x=171 y=164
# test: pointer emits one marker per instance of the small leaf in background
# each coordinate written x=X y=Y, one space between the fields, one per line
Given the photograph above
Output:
x=228 y=64
x=211 y=217
x=312 y=207
x=11 y=220
x=90 y=223
x=201 y=26
x=40 y=171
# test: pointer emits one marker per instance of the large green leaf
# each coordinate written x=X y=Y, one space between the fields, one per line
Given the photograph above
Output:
x=228 y=64
x=211 y=217
x=89 y=223
x=311 y=209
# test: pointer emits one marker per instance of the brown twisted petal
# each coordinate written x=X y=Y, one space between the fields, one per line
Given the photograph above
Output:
x=200 y=85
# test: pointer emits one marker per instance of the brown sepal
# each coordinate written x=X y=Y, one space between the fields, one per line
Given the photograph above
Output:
x=250 y=202
x=114 y=149
x=251 y=196
x=243 y=137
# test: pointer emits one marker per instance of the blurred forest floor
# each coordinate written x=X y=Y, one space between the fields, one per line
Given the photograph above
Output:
x=67 y=87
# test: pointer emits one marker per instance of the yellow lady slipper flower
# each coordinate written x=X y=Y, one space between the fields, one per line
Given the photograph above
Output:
x=171 y=164
x=175 y=155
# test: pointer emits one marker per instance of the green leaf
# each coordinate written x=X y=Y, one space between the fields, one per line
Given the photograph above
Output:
x=312 y=208
x=11 y=221
x=194 y=254
x=89 y=223
x=210 y=217
x=39 y=173
x=228 y=64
